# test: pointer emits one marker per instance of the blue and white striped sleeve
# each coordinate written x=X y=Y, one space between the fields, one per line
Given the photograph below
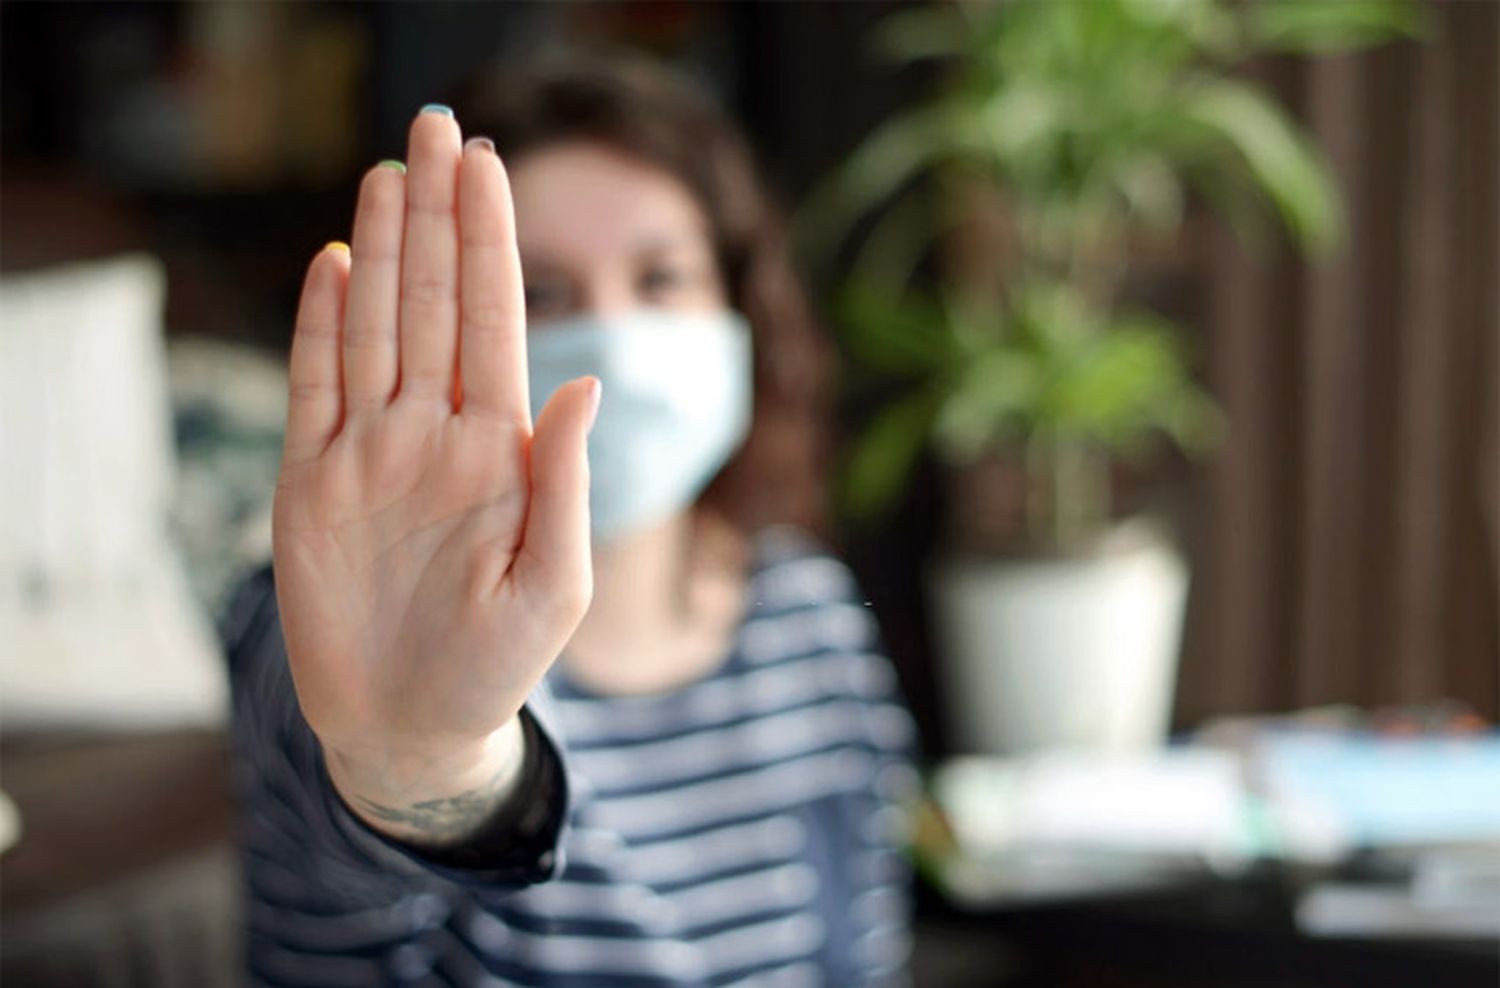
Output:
x=327 y=895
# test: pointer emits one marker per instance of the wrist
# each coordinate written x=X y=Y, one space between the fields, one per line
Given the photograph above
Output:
x=430 y=795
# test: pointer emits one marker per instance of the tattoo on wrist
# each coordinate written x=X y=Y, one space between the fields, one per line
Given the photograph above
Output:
x=448 y=818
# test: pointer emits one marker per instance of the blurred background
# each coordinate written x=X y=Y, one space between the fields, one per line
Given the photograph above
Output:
x=1241 y=350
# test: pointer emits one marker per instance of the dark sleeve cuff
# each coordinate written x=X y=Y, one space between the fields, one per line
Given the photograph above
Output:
x=519 y=846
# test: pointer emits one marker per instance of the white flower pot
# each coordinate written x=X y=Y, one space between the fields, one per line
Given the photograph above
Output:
x=1068 y=653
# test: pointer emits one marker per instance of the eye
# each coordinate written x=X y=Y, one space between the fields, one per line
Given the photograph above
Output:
x=546 y=298
x=661 y=280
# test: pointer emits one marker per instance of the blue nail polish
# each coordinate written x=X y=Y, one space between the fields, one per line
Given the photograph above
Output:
x=446 y=111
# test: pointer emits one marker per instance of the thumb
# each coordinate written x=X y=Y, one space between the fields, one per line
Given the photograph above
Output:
x=554 y=559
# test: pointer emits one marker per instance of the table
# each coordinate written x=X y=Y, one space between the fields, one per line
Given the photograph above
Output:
x=1201 y=932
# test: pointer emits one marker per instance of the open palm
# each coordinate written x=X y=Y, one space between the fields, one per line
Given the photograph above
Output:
x=431 y=547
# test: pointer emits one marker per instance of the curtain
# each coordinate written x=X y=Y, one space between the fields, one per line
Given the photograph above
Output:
x=1347 y=534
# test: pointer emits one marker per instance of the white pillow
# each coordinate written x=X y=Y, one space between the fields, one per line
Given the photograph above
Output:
x=97 y=626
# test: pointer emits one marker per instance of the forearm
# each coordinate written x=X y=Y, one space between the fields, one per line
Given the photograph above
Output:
x=432 y=800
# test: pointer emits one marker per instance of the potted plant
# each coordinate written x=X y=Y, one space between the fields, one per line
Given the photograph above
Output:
x=994 y=296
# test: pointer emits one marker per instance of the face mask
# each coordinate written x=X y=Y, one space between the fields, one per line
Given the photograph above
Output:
x=676 y=405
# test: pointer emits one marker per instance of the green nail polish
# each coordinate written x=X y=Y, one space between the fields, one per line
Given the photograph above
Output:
x=400 y=166
x=446 y=111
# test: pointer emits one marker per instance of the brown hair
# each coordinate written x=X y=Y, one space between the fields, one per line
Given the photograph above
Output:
x=646 y=111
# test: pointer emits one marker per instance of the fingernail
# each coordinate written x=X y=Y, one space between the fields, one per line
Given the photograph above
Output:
x=596 y=394
x=446 y=111
x=481 y=142
x=337 y=245
x=400 y=166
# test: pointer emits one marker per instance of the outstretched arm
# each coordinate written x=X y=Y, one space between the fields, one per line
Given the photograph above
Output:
x=431 y=543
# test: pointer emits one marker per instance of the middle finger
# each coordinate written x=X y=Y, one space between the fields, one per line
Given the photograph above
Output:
x=429 y=258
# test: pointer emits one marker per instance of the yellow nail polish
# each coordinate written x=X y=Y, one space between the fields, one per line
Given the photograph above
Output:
x=337 y=245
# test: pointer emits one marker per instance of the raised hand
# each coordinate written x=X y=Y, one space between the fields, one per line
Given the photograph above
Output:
x=431 y=546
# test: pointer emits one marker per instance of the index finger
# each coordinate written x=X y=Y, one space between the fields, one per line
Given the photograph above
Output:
x=492 y=334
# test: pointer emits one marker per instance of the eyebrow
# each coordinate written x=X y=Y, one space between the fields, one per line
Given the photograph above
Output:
x=653 y=246
x=662 y=245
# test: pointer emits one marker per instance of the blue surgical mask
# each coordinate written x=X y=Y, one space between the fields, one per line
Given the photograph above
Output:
x=676 y=405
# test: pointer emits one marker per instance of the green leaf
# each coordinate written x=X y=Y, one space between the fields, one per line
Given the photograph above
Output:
x=1024 y=121
x=1056 y=318
x=881 y=460
x=896 y=152
x=1325 y=27
x=901 y=335
x=1117 y=382
x=925 y=32
x=1195 y=421
x=898 y=240
x=1149 y=186
x=1205 y=24
x=1129 y=380
x=1281 y=161
x=989 y=405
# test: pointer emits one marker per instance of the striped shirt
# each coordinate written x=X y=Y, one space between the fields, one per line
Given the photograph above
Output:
x=743 y=829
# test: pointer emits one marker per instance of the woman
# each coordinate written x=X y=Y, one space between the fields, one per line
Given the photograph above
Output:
x=703 y=788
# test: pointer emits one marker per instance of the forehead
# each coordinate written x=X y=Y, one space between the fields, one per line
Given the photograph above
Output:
x=589 y=201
